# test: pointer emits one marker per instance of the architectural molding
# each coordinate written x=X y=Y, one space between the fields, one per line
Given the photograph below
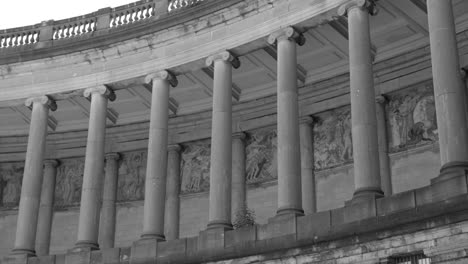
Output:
x=369 y=5
x=289 y=33
x=224 y=56
x=44 y=100
x=164 y=75
x=102 y=90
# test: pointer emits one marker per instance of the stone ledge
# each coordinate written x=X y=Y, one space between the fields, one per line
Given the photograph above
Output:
x=396 y=215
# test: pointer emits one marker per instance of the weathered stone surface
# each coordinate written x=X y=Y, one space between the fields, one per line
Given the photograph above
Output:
x=83 y=257
x=69 y=182
x=411 y=117
x=401 y=201
x=196 y=167
x=143 y=251
x=313 y=225
x=261 y=155
x=211 y=239
x=240 y=236
x=171 y=250
x=131 y=179
x=332 y=138
x=11 y=176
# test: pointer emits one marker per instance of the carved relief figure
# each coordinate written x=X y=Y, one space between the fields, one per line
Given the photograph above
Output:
x=12 y=176
x=261 y=151
x=195 y=167
x=69 y=182
x=412 y=117
x=332 y=138
x=131 y=180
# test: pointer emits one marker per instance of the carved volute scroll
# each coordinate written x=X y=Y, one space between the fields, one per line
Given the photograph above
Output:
x=225 y=56
x=102 y=90
x=43 y=100
x=288 y=33
x=164 y=75
x=370 y=5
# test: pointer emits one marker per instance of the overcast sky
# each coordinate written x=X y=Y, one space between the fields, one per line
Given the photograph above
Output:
x=17 y=13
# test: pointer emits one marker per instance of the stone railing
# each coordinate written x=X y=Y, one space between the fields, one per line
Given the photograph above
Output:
x=73 y=27
x=131 y=13
x=105 y=18
x=19 y=37
x=178 y=4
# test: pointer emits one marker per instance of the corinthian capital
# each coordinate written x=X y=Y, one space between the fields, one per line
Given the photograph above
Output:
x=43 y=100
x=225 y=56
x=164 y=75
x=102 y=90
x=289 y=33
x=368 y=5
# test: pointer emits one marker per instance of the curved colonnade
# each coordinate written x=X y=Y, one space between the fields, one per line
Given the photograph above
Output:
x=212 y=39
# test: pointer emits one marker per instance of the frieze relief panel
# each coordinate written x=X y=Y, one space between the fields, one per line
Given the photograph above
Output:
x=131 y=179
x=332 y=138
x=195 y=166
x=69 y=182
x=411 y=118
x=11 y=176
x=261 y=155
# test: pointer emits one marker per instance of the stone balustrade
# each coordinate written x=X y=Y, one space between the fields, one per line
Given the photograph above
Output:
x=179 y=4
x=74 y=28
x=134 y=12
x=19 y=37
x=105 y=18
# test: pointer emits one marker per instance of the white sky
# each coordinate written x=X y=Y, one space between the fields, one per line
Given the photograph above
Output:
x=18 y=13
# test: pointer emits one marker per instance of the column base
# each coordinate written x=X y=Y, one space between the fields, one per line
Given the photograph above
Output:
x=23 y=252
x=156 y=237
x=85 y=245
x=226 y=226
x=450 y=170
x=289 y=211
x=364 y=194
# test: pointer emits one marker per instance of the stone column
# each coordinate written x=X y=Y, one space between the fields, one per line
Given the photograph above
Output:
x=156 y=169
x=173 y=190
x=93 y=176
x=239 y=201
x=309 y=202
x=384 y=159
x=46 y=211
x=32 y=178
x=449 y=92
x=109 y=196
x=221 y=141
x=363 y=113
x=289 y=154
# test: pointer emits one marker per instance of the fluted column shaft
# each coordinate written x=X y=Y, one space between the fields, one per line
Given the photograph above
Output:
x=109 y=197
x=46 y=211
x=93 y=176
x=156 y=169
x=32 y=178
x=221 y=141
x=238 y=173
x=172 y=219
x=449 y=92
x=289 y=156
x=384 y=159
x=309 y=202
x=363 y=113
